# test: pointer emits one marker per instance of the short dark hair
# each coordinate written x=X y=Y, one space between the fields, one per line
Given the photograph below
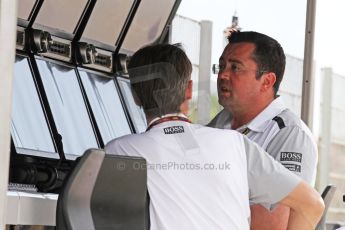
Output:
x=159 y=76
x=268 y=54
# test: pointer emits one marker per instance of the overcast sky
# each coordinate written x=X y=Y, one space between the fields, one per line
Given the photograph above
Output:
x=283 y=20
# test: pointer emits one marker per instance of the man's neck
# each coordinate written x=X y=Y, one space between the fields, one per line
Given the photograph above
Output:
x=184 y=108
x=240 y=119
x=149 y=120
x=244 y=116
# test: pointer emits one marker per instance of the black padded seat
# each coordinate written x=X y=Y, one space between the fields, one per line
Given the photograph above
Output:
x=104 y=192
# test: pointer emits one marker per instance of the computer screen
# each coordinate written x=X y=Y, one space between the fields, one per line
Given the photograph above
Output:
x=68 y=106
x=106 y=105
x=29 y=127
x=135 y=111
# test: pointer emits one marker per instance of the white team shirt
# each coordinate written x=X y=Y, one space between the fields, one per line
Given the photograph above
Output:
x=204 y=178
x=283 y=135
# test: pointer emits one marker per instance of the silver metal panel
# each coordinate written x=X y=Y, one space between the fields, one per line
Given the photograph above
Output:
x=22 y=206
x=148 y=24
x=107 y=20
x=62 y=15
x=25 y=8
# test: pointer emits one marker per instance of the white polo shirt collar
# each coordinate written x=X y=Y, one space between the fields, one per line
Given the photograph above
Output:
x=260 y=122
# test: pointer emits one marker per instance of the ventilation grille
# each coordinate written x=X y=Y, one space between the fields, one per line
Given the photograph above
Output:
x=20 y=43
x=60 y=48
x=103 y=60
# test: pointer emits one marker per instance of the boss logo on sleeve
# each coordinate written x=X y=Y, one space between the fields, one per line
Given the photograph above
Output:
x=173 y=130
x=293 y=167
x=291 y=156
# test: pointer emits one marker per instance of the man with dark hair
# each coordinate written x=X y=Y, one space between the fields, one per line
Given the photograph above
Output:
x=251 y=69
x=201 y=177
x=161 y=95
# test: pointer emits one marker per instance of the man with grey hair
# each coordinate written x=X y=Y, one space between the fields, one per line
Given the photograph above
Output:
x=201 y=177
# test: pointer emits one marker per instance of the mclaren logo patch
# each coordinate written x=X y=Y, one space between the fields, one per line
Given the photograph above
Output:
x=174 y=129
x=291 y=156
x=293 y=167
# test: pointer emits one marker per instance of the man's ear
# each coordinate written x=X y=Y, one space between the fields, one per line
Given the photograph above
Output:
x=268 y=80
x=189 y=90
x=136 y=98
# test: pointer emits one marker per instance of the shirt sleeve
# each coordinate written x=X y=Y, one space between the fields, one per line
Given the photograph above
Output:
x=269 y=182
x=297 y=151
x=116 y=146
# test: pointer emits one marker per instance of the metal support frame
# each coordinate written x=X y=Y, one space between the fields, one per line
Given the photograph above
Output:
x=204 y=94
x=326 y=122
x=8 y=22
x=308 y=75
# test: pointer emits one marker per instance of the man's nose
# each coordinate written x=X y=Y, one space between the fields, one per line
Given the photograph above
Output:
x=224 y=74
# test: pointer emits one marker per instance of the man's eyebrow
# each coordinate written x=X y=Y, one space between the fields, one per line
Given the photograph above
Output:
x=235 y=60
